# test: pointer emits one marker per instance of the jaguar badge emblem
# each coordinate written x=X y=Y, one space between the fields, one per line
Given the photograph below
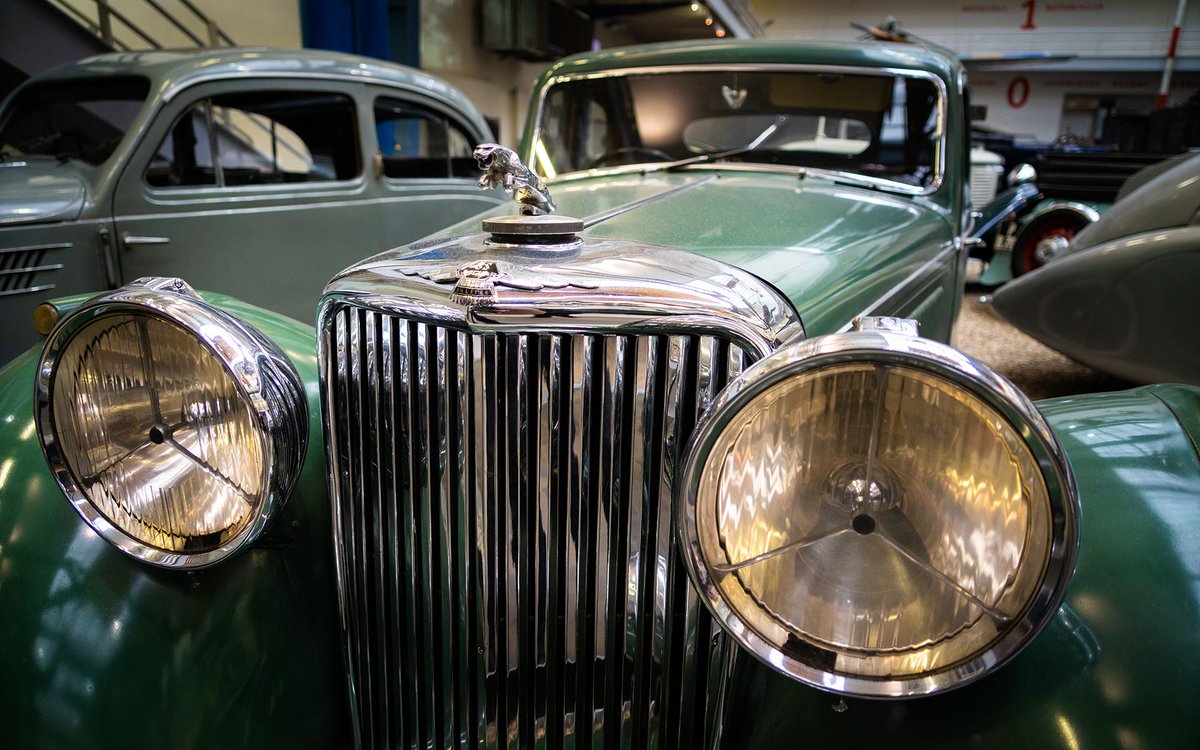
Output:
x=475 y=283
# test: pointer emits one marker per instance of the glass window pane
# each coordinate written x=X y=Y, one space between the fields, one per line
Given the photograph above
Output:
x=80 y=121
x=874 y=124
x=414 y=140
x=261 y=138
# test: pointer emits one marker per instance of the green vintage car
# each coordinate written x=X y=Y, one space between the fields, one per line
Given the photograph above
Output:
x=667 y=467
x=199 y=164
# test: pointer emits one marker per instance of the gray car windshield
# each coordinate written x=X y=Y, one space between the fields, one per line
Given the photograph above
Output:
x=71 y=120
x=876 y=125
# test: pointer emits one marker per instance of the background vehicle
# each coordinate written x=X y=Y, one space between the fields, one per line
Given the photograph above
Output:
x=521 y=430
x=202 y=165
x=1120 y=296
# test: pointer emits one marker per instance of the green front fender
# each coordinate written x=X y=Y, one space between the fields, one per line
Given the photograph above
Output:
x=99 y=650
x=1119 y=667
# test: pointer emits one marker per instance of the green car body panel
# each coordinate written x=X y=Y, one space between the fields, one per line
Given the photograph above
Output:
x=1120 y=664
x=103 y=651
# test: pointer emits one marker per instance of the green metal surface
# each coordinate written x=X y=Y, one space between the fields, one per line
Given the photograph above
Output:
x=1120 y=664
x=832 y=249
x=100 y=650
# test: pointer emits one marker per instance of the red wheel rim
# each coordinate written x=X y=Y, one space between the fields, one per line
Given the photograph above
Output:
x=1027 y=253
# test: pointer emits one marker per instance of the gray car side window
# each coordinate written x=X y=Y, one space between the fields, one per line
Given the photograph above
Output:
x=259 y=138
x=417 y=141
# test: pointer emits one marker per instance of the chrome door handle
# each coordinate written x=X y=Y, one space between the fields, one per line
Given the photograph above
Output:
x=130 y=240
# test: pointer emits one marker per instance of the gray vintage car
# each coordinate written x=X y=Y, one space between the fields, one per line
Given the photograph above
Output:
x=198 y=165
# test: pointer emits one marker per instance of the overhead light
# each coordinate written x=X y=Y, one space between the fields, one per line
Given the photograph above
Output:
x=695 y=7
x=708 y=20
x=720 y=32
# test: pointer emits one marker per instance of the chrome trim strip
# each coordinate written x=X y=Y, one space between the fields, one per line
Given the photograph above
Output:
x=1083 y=210
x=31 y=248
x=595 y=219
x=265 y=377
x=335 y=197
x=27 y=290
x=926 y=271
x=30 y=269
x=940 y=156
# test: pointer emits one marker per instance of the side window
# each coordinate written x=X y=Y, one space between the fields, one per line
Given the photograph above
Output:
x=259 y=138
x=416 y=142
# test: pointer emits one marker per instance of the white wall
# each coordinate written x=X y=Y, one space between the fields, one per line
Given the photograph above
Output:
x=1118 y=46
x=1041 y=113
x=268 y=23
x=499 y=86
x=1091 y=28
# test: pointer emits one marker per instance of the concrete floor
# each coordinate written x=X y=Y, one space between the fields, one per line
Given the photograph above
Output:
x=1036 y=369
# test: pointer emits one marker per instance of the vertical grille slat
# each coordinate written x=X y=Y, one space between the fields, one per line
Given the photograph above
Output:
x=505 y=534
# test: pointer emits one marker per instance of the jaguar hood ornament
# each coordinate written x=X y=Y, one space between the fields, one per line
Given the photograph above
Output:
x=501 y=166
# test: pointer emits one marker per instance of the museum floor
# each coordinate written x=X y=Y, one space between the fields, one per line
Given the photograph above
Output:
x=1038 y=370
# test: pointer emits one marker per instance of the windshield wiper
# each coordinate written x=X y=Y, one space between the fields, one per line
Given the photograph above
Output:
x=718 y=155
x=835 y=175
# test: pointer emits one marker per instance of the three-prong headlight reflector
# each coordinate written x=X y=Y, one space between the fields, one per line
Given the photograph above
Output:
x=175 y=429
x=878 y=515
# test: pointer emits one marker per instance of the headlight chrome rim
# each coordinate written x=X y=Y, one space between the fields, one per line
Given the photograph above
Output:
x=881 y=347
x=263 y=375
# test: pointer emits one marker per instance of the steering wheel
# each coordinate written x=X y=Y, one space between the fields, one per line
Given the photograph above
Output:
x=630 y=151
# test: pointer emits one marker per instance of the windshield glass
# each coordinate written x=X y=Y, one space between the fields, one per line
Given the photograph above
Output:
x=877 y=125
x=72 y=120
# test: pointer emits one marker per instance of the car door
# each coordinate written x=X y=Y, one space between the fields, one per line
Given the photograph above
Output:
x=429 y=178
x=258 y=189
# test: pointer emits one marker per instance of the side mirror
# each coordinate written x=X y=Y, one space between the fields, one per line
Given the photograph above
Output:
x=1021 y=174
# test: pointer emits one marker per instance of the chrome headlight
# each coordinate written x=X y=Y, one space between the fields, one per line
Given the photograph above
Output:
x=174 y=429
x=878 y=515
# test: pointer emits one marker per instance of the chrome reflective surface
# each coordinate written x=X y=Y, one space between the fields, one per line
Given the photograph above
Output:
x=166 y=317
x=1084 y=210
x=503 y=168
x=989 y=586
x=1021 y=174
x=595 y=286
x=503 y=498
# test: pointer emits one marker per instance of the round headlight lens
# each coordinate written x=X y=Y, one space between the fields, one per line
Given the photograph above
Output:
x=878 y=516
x=154 y=434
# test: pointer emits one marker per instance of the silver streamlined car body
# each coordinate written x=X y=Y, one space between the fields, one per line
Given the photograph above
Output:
x=1122 y=295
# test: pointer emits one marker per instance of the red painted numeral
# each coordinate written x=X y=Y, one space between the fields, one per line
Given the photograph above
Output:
x=1028 y=5
x=1018 y=92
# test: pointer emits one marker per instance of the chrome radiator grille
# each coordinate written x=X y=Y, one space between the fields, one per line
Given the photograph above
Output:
x=505 y=543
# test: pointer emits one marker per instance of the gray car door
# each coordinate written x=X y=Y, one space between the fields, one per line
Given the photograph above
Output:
x=429 y=178
x=257 y=189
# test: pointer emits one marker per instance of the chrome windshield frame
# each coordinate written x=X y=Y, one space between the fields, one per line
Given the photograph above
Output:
x=940 y=153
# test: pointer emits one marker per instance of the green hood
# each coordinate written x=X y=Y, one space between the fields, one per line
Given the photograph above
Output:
x=812 y=239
